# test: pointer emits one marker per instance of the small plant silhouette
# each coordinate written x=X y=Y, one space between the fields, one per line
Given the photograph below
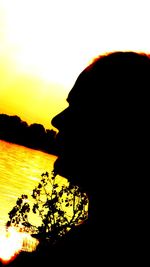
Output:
x=60 y=207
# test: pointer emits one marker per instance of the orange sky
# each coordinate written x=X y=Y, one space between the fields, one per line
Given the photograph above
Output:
x=44 y=45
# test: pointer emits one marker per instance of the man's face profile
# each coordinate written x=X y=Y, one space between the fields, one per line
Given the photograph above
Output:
x=103 y=101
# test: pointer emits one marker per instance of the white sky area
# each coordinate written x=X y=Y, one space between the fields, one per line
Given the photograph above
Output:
x=54 y=40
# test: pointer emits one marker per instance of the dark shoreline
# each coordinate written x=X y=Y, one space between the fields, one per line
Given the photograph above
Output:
x=34 y=136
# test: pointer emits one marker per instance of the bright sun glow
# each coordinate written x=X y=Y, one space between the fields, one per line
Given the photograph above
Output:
x=12 y=242
x=55 y=39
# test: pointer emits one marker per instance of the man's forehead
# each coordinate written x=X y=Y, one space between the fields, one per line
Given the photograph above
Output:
x=83 y=88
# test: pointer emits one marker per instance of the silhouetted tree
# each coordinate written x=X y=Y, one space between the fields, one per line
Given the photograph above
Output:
x=50 y=141
x=35 y=136
x=13 y=129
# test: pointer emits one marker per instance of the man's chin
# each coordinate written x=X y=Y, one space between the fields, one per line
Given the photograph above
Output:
x=66 y=170
x=60 y=168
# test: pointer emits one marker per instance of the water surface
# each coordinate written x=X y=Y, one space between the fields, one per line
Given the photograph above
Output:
x=20 y=172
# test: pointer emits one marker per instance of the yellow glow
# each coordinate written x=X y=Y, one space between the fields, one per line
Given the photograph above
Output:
x=10 y=245
x=45 y=44
x=34 y=100
x=13 y=241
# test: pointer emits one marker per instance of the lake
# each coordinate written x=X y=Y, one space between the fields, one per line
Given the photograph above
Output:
x=20 y=172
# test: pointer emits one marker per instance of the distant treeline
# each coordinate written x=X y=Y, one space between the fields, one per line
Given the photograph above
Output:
x=14 y=130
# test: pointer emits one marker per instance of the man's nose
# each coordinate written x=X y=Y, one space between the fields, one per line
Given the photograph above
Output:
x=60 y=119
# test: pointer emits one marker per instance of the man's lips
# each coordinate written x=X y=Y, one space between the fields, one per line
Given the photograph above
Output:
x=60 y=143
x=60 y=167
x=67 y=155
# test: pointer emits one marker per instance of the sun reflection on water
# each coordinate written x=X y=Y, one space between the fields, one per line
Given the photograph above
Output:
x=12 y=242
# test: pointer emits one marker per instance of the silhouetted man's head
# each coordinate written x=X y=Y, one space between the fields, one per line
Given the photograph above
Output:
x=99 y=133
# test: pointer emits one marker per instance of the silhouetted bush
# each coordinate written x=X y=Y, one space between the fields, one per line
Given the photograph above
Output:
x=59 y=207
